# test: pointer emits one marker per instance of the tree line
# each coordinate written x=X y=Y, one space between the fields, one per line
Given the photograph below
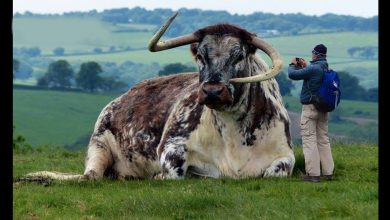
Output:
x=259 y=22
x=368 y=52
x=60 y=74
x=350 y=87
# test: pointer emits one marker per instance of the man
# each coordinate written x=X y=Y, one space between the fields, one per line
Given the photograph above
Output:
x=314 y=124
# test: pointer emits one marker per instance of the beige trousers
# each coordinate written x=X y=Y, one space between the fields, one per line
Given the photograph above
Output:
x=315 y=141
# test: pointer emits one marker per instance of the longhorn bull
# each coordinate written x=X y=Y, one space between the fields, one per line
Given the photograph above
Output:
x=227 y=120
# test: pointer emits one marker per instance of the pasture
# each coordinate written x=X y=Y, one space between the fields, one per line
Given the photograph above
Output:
x=83 y=35
x=353 y=194
x=62 y=118
x=55 y=117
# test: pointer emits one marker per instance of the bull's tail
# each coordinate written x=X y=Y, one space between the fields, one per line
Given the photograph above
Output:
x=46 y=177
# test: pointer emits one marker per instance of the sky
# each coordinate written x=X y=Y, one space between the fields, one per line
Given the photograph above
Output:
x=363 y=8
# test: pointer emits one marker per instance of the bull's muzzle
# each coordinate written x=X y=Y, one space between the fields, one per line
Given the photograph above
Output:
x=214 y=95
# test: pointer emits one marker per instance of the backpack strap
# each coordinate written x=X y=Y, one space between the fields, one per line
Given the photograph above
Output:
x=324 y=68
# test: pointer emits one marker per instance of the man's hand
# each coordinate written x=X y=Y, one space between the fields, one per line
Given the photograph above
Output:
x=294 y=61
x=299 y=62
x=302 y=62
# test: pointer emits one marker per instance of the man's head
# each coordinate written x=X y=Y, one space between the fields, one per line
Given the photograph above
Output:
x=319 y=51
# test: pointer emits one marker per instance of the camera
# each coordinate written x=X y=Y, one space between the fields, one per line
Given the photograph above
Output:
x=299 y=62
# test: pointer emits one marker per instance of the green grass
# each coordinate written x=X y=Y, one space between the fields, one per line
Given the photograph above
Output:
x=73 y=34
x=133 y=27
x=337 y=43
x=55 y=117
x=182 y=55
x=346 y=108
x=352 y=121
x=352 y=195
x=62 y=118
x=29 y=81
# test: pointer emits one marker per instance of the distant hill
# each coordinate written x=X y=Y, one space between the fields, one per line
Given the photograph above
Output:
x=259 y=22
x=81 y=36
x=122 y=35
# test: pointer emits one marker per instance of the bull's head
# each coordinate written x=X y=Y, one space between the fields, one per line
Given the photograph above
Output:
x=223 y=54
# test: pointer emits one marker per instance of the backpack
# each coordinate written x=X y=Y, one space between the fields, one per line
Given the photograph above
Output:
x=328 y=95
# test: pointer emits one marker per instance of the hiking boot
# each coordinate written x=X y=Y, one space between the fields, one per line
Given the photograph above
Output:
x=328 y=177
x=310 y=178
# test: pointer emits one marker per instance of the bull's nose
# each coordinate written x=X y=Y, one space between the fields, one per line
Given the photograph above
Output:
x=212 y=89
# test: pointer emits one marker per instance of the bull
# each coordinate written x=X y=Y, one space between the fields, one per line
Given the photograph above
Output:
x=227 y=120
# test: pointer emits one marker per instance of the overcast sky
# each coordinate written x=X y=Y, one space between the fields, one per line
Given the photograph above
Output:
x=364 y=8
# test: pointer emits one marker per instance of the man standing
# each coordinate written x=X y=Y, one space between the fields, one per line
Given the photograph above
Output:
x=314 y=124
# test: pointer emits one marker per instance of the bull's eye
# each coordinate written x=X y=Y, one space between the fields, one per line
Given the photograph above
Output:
x=240 y=57
x=200 y=62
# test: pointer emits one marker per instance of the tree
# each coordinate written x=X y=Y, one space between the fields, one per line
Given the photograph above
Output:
x=369 y=52
x=112 y=84
x=350 y=88
x=21 y=69
x=112 y=49
x=59 y=51
x=353 y=50
x=285 y=85
x=97 y=50
x=372 y=95
x=32 y=52
x=43 y=81
x=175 y=68
x=88 y=77
x=59 y=74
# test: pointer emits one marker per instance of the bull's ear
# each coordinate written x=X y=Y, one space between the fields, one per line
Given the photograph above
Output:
x=194 y=48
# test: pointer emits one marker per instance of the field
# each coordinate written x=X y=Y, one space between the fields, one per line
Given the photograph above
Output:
x=352 y=195
x=54 y=117
x=347 y=108
x=83 y=35
x=62 y=118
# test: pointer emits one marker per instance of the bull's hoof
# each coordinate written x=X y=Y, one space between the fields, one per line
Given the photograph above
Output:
x=158 y=176
x=279 y=168
x=91 y=175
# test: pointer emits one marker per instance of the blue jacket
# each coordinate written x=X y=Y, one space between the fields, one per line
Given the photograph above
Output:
x=311 y=76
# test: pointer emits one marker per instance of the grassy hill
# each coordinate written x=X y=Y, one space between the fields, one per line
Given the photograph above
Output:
x=62 y=118
x=352 y=195
x=54 y=117
x=83 y=35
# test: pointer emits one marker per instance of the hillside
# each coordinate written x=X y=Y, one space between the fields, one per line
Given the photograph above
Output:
x=127 y=42
x=63 y=118
x=54 y=117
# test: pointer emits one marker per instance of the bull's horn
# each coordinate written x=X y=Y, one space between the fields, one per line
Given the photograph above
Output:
x=276 y=63
x=155 y=45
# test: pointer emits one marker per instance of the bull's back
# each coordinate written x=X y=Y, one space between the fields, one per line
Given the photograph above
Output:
x=137 y=118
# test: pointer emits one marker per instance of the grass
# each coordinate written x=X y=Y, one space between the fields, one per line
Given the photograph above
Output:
x=182 y=55
x=352 y=195
x=73 y=34
x=56 y=117
x=338 y=43
x=346 y=108
x=133 y=27
x=62 y=118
